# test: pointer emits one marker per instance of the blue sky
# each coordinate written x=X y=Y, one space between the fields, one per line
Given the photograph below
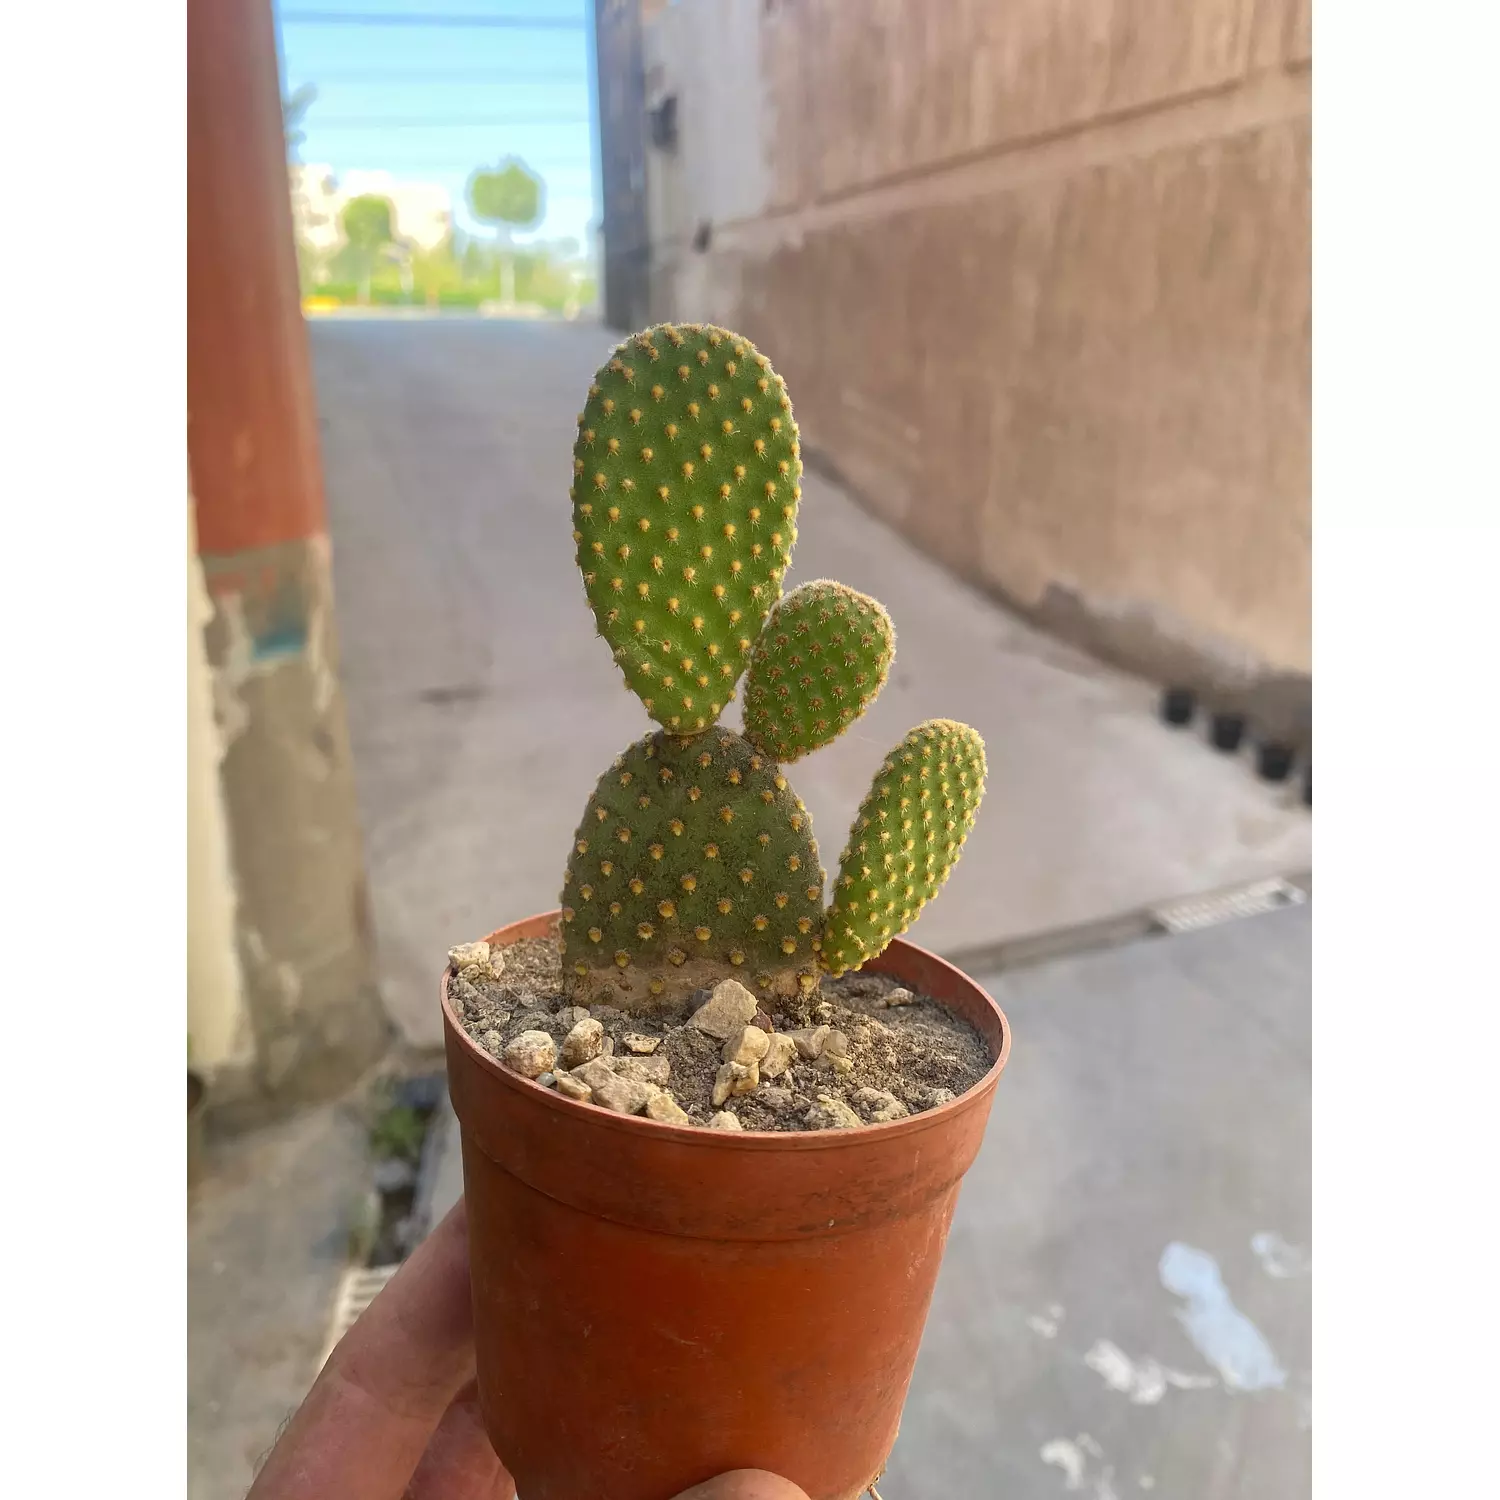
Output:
x=433 y=100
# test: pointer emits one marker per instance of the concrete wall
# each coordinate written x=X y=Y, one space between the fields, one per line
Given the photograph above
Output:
x=218 y=1023
x=1037 y=276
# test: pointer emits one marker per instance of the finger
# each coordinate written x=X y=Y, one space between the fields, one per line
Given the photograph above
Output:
x=745 y=1484
x=459 y=1463
x=369 y=1415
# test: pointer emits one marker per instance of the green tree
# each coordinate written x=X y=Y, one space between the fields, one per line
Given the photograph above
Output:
x=437 y=271
x=508 y=197
x=368 y=230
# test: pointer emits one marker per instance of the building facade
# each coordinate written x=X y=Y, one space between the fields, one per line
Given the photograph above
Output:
x=1037 y=275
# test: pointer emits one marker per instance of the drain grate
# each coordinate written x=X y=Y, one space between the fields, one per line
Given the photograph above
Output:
x=1251 y=900
x=360 y=1286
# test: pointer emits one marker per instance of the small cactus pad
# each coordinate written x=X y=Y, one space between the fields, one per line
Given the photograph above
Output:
x=817 y=667
x=695 y=860
x=686 y=478
x=905 y=840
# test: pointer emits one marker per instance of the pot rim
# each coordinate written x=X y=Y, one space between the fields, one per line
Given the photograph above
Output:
x=699 y=1136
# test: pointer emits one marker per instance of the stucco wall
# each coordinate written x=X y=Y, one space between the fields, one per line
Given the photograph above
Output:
x=218 y=1024
x=1037 y=275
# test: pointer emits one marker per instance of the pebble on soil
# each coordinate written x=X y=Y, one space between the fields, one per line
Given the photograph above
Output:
x=861 y=1049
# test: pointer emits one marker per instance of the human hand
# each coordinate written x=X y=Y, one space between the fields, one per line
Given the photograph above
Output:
x=395 y=1413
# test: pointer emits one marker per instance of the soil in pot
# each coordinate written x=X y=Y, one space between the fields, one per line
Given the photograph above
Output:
x=861 y=1049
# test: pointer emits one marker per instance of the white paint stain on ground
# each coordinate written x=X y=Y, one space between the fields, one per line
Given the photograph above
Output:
x=1220 y=1332
x=1145 y=1381
x=1046 y=1324
x=1072 y=1458
x=1279 y=1259
x=1062 y=1454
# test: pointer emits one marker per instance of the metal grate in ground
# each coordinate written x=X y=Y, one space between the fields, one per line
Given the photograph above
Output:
x=1251 y=900
x=1163 y=919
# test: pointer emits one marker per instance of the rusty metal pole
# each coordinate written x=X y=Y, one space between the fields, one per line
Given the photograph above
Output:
x=295 y=851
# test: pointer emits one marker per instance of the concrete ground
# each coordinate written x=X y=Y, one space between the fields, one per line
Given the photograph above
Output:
x=483 y=708
x=1157 y=1094
x=268 y=1238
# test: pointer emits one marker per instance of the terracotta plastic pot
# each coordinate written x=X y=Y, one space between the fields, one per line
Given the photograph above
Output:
x=656 y=1304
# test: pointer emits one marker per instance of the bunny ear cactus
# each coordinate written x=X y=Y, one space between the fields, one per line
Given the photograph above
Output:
x=695 y=860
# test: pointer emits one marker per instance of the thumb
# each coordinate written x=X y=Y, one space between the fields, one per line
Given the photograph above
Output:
x=745 y=1484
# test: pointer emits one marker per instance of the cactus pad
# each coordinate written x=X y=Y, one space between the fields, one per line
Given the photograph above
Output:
x=695 y=860
x=686 y=478
x=905 y=839
x=817 y=667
